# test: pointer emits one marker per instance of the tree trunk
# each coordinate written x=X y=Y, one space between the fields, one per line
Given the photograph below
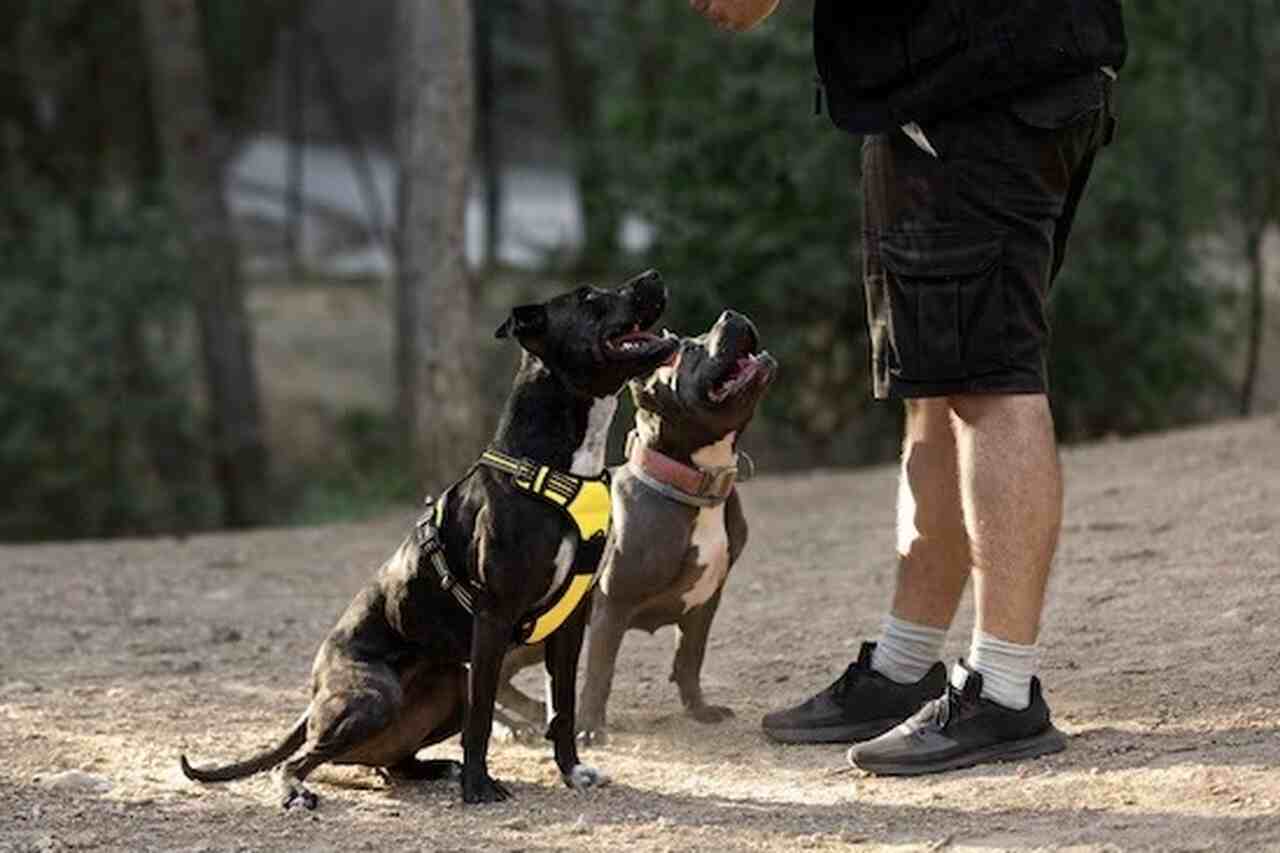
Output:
x=437 y=397
x=577 y=85
x=296 y=109
x=1256 y=264
x=184 y=124
x=486 y=139
x=1261 y=73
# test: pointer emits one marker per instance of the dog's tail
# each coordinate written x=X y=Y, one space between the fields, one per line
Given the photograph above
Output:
x=262 y=761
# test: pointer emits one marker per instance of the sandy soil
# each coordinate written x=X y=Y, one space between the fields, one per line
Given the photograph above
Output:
x=1162 y=662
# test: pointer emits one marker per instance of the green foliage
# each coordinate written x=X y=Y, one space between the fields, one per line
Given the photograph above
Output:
x=98 y=428
x=1136 y=314
x=97 y=432
x=755 y=204
x=755 y=201
x=363 y=473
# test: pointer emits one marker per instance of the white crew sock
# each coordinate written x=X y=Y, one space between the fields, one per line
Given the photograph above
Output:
x=1006 y=669
x=906 y=650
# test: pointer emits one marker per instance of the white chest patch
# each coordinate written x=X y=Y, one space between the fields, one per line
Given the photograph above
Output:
x=712 y=557
x=718 y=455
x=588 y=459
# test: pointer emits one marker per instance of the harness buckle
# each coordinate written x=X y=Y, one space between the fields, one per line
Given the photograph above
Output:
x=424 y=529
x=527 y=474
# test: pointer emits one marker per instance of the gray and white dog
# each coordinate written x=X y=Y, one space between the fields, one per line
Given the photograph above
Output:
x=678 y=521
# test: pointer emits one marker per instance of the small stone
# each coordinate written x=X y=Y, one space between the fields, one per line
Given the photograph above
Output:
x=83 y=840
x=224 y=634
x=78 y=780
x=581 y=826
x=46 y=844
x=16 y=687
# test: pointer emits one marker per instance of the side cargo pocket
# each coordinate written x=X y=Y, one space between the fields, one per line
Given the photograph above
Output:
x=946 y=302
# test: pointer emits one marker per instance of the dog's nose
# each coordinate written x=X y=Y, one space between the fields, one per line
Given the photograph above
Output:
x=647 y=291
x=648 y=278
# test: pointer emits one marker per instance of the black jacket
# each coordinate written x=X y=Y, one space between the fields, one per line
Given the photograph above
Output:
x=884 y=63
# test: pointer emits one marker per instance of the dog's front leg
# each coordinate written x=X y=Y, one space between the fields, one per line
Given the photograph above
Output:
x=563 y=648
x=686 y=670
x=489 y=641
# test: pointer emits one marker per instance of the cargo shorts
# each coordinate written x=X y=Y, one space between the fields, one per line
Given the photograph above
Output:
x=960 y=250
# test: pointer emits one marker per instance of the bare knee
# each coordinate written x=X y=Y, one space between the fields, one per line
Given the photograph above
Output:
x=974 y=409
x=927 y=416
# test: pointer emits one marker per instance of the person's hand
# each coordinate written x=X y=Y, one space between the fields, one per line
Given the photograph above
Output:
x=736 y=15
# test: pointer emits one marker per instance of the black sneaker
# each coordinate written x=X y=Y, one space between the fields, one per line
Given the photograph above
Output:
x=859 y=705
x=961 y=729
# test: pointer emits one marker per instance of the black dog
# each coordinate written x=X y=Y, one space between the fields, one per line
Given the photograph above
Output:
x=502 y=557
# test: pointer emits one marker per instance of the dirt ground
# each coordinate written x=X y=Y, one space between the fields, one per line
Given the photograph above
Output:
x=1162 y=661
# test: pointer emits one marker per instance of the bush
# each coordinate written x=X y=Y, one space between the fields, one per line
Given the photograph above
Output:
x=97 y=433
x=755 y=201
x=756 y=206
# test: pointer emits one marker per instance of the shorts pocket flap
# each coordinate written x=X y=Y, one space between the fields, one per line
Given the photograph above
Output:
x=1062 y=104
x=939 y=253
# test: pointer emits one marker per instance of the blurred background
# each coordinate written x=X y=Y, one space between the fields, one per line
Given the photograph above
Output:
x=254 y=253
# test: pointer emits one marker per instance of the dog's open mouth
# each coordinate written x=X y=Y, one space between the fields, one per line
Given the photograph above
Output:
x=741 y=375
x=634 y=342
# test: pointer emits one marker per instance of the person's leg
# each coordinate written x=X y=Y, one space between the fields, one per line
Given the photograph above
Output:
x=1011 y=493
x=933 y=546
x=892 y=678
x=1011 y=488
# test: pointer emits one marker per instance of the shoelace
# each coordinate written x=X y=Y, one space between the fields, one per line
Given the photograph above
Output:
x=951 y=704
x=840 y=687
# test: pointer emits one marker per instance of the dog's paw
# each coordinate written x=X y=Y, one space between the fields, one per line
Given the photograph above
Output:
x=593 y=736
x=483 y=789
x=582 y=777
x=298 y=796
x=512 y=731
x=417 y=770
x=710 y=713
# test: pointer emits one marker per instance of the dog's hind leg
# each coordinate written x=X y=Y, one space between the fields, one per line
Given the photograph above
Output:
x=436 y=700
x=356 y=705
x=512 y=699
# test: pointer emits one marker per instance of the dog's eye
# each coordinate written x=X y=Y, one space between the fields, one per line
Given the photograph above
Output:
x=593 y=301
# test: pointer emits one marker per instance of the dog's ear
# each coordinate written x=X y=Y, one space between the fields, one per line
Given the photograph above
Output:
x=525 y=321
x=650 y=393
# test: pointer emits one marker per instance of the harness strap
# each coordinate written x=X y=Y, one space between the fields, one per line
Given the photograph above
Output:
x=586 y=502
x=427 y=533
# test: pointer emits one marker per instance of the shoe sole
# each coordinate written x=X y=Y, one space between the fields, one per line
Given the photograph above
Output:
x=852 y=733
x=1047 y=742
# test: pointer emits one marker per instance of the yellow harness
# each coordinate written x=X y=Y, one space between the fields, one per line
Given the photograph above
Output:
x=585 y=502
